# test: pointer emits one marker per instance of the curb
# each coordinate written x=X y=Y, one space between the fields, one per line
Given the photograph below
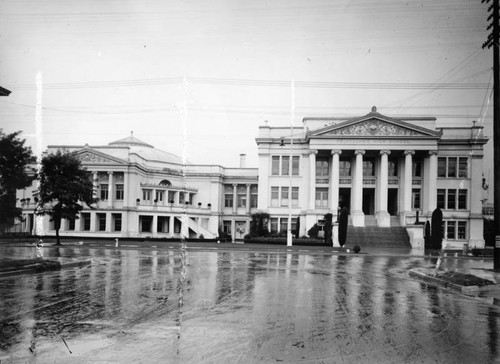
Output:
x=425 y=276
x=38 y=267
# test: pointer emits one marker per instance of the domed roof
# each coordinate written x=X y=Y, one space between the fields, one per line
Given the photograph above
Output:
x=146 y=151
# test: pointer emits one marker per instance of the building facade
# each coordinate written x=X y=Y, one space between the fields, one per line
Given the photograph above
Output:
x=386 y=171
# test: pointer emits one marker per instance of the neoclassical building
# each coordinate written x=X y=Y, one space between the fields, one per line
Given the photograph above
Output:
x=384 y=170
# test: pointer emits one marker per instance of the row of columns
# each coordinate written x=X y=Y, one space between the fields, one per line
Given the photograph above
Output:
x=383 y=217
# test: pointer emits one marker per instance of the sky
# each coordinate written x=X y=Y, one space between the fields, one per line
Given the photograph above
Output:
x=200 y=77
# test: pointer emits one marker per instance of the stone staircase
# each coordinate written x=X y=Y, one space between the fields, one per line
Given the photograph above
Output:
x=374 y=236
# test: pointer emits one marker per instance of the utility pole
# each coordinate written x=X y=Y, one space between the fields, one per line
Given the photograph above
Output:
x=492 y=42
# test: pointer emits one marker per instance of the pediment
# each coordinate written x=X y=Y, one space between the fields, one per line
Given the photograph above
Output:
x=91 y=156
x=374 y=126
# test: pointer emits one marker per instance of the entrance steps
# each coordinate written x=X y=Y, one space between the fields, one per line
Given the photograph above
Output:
x=374 y=236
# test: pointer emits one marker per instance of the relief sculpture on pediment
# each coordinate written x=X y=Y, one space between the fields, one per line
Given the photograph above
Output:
x=92 y=158
x=374 y=128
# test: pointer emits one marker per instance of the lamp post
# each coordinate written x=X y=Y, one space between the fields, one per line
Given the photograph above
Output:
x=289 y=232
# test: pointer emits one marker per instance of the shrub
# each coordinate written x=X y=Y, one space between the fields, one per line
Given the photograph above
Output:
x=436 y=228
x=328 y=228
x=313 y=231
x=356 y=249
x=343 y=226
x=258 y=225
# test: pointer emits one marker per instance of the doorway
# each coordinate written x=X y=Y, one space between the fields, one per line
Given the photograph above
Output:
x=369 y=201
x=344 y=198
x=392 y=201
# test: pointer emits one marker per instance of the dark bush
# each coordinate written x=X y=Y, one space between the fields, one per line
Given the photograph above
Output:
x=328 y=229
x=437 y=229
x=258 y=225
x=343 y=218
x=313 y=231
x=356 y=249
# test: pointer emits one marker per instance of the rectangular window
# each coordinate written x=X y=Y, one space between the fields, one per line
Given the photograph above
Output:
x=226 y=226
x=322 y=171
x=452 y=199
x=416 y=198
x=285 y=166
x=463 y=167
x=274 y=225
x=441 y=167
x=284 y=196
x=101 y=222
x=462 y=199
x=275 y=167
x=441 y=198
x=117 y=222
x=119 y=193
x=71 y=224
x=393 y=168
x=275 y=195
x=295 y=196
x=171 y=197
x=321 y=197
x=283 y=225
x=462 y=229
x=159 y=196
x=146 y=223
x=368 y=168
x=452 y=167
x=417 y=168
x=295 y=165
x=228 y=196
x=103 y=187
x=253 y=196
x=85 y=216
x=294 y=225
x=146 y=195
x=450 y=229
x=241 y=194
x=344 y=168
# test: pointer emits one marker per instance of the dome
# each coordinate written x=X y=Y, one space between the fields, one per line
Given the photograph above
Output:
x=146 y=151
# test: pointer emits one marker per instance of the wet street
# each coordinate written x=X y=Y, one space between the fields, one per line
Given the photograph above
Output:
x=165 y=305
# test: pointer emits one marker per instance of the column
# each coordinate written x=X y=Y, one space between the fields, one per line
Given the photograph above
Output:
x=198 y=222
x=430 y=181
x=357 y=215
x=383 y=217
x=108 y=222
x=154 y=225
x=312 y=179
x=94 y=184
x=474 y=203
x=235 y=198
x=334 y=181
x=171 y=222
x=110 y=189
x=408 y=182
x=248 y=198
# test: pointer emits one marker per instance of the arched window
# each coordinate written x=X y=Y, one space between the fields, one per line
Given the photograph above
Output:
x=165 y=183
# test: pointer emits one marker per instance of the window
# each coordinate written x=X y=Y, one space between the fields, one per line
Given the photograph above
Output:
x=393 y=168
x=275 y=196
x=119 y=193
x=284 y=196
x=450 y=229
x=101 y=222
x=274 y=225
x=117 y=222
x=461 y=231
x=146 y=195
x=368 y=168
x=295 y=196
x=85 y=221
x=71 y=224
x=417 y=168
x=171 y=196
x=344 y=168
x=416 y=198
x=159 y=196
x=452 y=199
x=145 y=223
x=103 y=187
x=226 y=226
x=441 y=198
x=241 y=195
x=295 y=165
x=253 y=196
x=462 y=199
x=285 y=166
x=275 y=168
x=453 y=167
x=321 y=197
x=228 y=196
x=322 y=171
x=165 y=183
x=162 y=224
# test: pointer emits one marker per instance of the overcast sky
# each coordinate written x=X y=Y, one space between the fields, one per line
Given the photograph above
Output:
x=112 y=66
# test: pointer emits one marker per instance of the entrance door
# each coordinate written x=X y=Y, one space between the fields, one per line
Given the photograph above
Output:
x=392 y=201
x=369 y=201
x=344 y=198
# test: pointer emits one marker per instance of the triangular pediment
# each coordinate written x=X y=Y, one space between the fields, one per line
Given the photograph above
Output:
x=374 y=125
x=91 y=156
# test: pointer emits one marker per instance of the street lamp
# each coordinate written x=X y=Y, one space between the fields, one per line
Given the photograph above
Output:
x=290 y=166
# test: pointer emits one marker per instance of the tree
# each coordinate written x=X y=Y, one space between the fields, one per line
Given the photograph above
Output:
x=436 y=228
x=14 y=174
x=343 y=219
x=64 y=185
x=258 y=225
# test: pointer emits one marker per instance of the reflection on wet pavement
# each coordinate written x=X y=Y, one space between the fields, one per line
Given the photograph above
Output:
x=137 y=306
